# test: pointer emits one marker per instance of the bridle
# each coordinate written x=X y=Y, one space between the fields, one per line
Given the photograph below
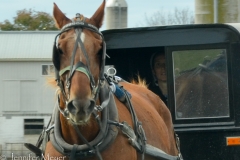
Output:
x=78 y=25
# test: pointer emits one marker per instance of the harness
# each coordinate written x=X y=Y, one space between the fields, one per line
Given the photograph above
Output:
x=108 y=124
x=105 y=137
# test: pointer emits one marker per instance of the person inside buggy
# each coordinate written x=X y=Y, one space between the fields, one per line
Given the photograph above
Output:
x=158 y=69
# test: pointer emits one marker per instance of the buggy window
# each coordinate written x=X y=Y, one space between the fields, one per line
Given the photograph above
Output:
x=200 y=83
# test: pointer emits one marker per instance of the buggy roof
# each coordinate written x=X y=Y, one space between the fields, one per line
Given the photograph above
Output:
x=171 y=35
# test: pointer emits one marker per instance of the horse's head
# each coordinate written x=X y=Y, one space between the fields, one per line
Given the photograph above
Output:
x=78 y=62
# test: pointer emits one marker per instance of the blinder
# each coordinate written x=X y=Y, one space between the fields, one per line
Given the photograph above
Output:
x=56 y=57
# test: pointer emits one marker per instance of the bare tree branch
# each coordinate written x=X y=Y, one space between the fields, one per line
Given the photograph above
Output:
x=178 y=16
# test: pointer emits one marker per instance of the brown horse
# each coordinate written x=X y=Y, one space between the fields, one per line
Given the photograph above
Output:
x=88 y=118
x=203 y=91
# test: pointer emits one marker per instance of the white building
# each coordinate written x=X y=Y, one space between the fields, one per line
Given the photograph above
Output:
x=26 y=101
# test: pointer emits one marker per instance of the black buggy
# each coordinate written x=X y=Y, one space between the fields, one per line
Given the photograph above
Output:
x=203 y=76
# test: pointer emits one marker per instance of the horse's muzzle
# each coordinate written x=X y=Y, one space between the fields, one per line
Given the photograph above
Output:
x=80 y=110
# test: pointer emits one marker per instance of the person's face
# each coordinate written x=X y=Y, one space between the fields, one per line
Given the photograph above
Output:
x=159 y=68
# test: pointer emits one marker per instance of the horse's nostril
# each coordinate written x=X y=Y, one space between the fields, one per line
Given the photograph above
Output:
x=72 y=108
x=80 y=106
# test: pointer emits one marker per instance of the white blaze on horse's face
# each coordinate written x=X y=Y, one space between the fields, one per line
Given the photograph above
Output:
x=83 y=39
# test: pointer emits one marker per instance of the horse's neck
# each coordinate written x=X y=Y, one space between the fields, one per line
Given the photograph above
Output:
x=89 y=131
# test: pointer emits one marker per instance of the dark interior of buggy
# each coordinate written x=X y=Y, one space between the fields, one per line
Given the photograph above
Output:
x=132 y=62
x=195 y=78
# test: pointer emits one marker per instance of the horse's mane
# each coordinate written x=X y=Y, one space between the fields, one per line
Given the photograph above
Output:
x=140 y=82
x=50 y=81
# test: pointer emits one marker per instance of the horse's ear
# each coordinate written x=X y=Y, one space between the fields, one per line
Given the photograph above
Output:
x=59 y=17
x=97 y=17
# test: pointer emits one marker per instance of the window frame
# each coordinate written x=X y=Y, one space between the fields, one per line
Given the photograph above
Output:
x=49 y=73
x=33 y=122
x=208 y=121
